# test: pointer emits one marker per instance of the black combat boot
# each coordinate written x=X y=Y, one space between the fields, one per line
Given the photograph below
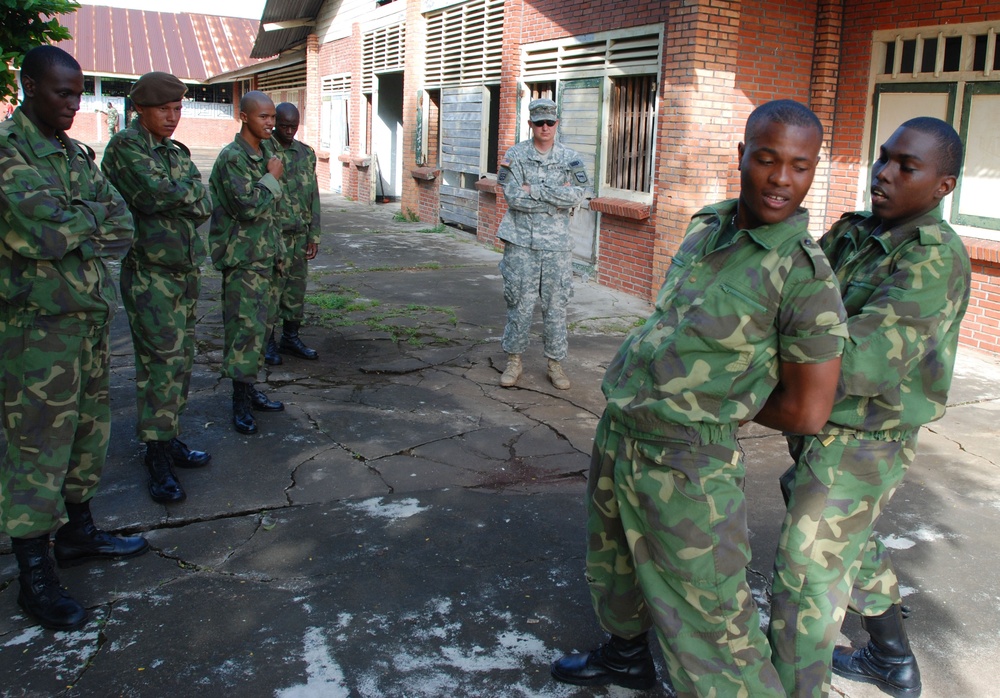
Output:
x=41 y=596
x=184 y=457
x=271 y=355
x=619 y=661
x=292 y=344
x=80 y=540
x=164 y=486
x=260 y=401
x=242 y=414
x=886 y=660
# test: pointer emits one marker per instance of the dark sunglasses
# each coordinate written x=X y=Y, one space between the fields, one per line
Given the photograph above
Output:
x=545 y=122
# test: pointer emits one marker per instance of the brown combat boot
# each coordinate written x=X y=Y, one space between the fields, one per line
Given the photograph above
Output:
x=557 y=375
x=512 y=372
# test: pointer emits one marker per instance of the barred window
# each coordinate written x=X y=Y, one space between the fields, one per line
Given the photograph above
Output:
x=631 y=131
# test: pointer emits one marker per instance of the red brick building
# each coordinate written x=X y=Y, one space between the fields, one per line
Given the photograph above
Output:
x=415 y=100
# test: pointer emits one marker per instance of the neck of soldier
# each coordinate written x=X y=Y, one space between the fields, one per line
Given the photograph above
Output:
x=542 y=147
x=251 y=139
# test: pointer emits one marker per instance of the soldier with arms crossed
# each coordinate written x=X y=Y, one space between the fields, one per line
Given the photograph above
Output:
x=543 y=182
x=61 y=220
x=161 y=278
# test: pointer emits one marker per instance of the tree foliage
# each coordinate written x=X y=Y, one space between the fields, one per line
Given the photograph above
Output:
x=25 y=24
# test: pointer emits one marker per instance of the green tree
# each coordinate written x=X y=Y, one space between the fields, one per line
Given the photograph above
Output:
x=25 y=24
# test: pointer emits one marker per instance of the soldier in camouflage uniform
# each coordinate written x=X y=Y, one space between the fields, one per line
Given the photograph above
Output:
x=543 y=182
x=160 y=277
x=111 y=120
x=60 y=220
x=246 y=246
x=749 y=299
x=905 y=279
x=300 y=230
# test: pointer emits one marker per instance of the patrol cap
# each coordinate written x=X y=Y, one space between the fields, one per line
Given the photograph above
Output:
x=156 y=88
x=541 y=109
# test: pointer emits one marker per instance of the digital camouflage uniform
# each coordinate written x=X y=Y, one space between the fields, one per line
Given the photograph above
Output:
x=299 y=225
x=160 y=277
x=246 y=246
x=537 y=257
x=61 y=219
x=667 y=528
x=905 y=291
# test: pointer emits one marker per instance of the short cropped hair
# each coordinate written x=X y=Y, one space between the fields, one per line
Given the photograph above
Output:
x=949 y=145
x=252 y=98
x=782 y=111
x=39 y=60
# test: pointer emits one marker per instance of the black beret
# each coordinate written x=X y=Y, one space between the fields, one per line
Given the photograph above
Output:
x=156 y=88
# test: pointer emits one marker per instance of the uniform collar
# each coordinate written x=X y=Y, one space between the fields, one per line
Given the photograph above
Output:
x=151 y=139
x=41 y=146
x=770 y=235
x=894 y=237
x=254 y=155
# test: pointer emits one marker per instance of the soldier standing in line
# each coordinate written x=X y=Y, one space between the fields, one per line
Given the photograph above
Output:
x=543 y=182
x=300 y=230
x=61 y=220
x=749 y=307
x=160 y=277
x=246 y=246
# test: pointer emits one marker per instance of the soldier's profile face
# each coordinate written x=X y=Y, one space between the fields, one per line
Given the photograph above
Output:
x=906 y=182
x=161 y=120
x=286 y=125
x=55 y=97
x=777 y=165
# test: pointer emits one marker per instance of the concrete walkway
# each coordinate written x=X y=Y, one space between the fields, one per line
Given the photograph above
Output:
x=408 y=528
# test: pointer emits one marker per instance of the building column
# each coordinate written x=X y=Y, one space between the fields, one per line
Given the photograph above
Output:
x=823 y=101
x=314 y=101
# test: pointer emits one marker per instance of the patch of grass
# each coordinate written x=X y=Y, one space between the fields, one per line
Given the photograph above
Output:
x=345 y=308
x=406 y=217
x=439 y=228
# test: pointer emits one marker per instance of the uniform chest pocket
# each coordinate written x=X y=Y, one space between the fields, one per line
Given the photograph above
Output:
x=857 y=293
x=732 y=318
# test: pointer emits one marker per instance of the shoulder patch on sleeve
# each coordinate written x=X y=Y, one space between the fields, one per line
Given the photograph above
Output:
x=502 y=176
x=581 y=176
x=576 y=163
x=505 y=162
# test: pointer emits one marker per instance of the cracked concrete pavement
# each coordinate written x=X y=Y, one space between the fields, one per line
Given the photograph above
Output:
x=408 y=528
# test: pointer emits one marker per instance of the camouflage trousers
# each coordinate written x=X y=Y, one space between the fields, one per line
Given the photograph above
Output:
x=291 y=287
x=668 y=547
x=161 y=312
x=248 y=311
x=834 y=494
x=530 y=275
x=57 y=423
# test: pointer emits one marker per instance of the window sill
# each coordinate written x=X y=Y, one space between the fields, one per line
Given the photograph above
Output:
x=622 y=208
x=488 y=186
x=425 y=173
x=358 y=160
x=982 y=250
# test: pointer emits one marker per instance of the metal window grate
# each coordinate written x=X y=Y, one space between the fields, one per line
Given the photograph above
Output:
x=608 y=52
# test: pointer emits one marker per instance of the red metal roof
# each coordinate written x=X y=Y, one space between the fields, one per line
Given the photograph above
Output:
x=116 y=41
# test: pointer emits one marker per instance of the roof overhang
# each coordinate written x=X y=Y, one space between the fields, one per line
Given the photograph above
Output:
x=284 y=60
x=284 y=25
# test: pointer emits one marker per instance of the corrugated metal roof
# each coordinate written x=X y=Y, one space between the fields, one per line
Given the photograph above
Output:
x=116 y=41
x=274 y=42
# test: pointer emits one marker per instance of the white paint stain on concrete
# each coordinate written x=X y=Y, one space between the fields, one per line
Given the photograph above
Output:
x=894 y=542
x=377 y=506
x=325 y=677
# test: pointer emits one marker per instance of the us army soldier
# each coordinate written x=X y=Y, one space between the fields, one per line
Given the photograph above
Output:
x=60 y=220
x=160 y=277
x=543 y=182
